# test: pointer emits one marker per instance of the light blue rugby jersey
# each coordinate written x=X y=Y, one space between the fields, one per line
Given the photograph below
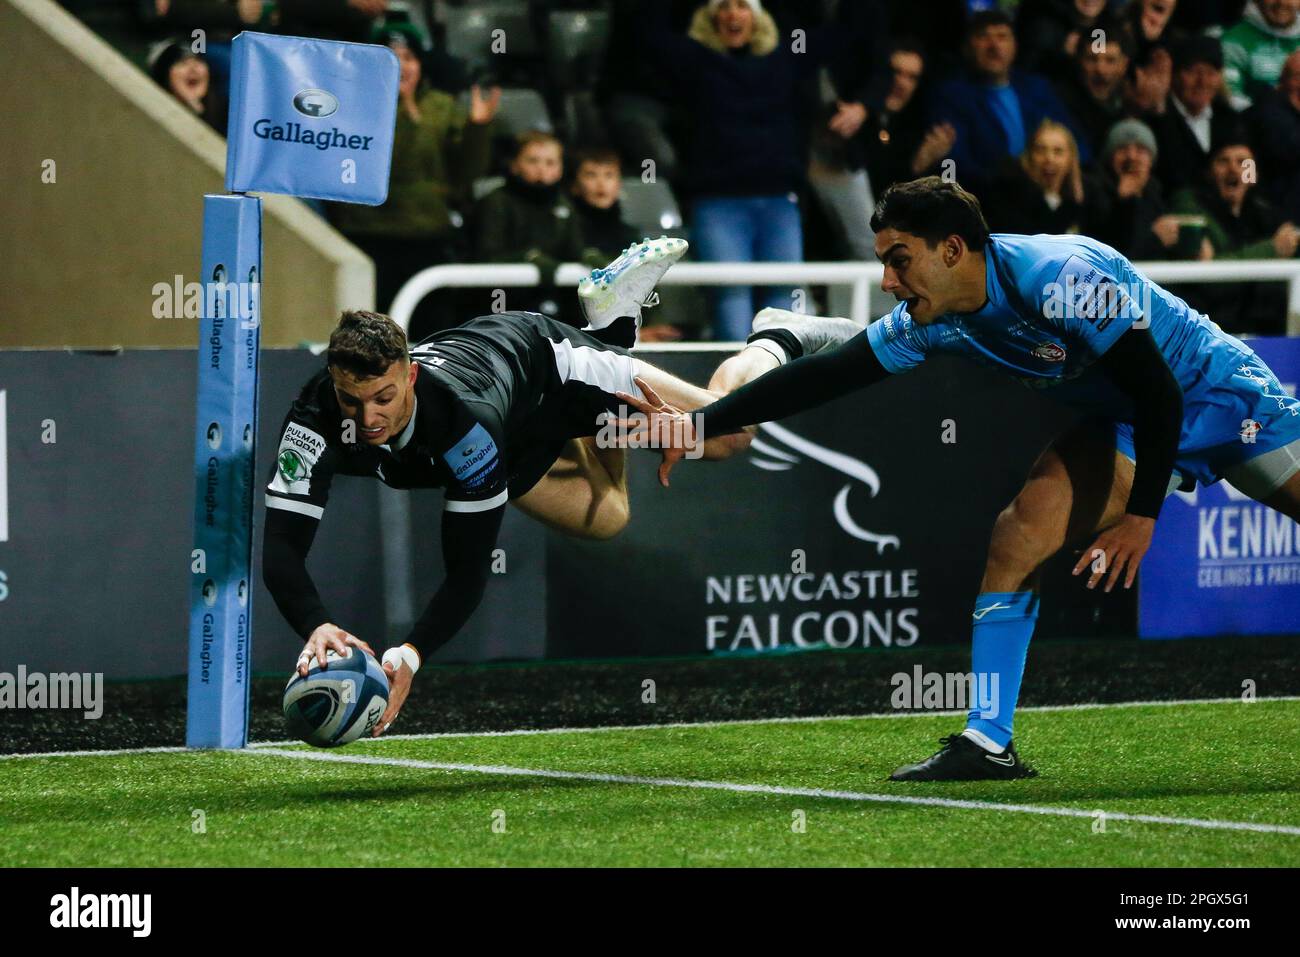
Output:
x=1056 y=303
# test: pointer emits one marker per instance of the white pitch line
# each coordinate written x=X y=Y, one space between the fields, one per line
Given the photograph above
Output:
x=807 y=719
x=739 y=788
x=92 y=754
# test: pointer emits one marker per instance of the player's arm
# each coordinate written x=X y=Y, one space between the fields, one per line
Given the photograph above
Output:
x=477 y=494
x=793 y=388
x=468 y=539
x=286 y=540
x=296 y=497
x=1136 y=366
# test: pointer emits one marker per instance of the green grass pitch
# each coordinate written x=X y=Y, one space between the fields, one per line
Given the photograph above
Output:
x=1212 y=763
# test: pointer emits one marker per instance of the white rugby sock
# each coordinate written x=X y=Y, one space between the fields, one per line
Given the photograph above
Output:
x=983 y=740
x=771 y=346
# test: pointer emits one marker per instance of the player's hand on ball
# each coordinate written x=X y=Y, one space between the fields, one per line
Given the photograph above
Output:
x=399 y=686
x=666 y=428
x=1119 y=549
x=328 y=637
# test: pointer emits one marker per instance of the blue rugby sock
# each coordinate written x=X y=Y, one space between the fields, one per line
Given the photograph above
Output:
x=1004 y=623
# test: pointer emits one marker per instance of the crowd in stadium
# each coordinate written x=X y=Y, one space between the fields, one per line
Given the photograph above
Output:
x=1169 y=129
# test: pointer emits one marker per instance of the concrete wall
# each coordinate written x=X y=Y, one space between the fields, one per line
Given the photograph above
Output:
x=80 y=256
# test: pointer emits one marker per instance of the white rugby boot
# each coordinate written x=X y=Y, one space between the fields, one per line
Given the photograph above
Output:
x=622 y=288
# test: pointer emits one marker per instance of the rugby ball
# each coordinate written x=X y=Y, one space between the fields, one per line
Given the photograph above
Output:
x=335 y=705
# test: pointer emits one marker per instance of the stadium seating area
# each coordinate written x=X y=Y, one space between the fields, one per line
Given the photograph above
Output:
x=1167 y=128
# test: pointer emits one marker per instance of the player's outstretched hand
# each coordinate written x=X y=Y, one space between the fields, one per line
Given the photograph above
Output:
x=1118 y=550
x=399 y=686
x=668 y=429
x=327 y=637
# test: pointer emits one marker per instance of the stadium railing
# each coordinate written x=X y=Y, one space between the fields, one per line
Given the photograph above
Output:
x=860 y=277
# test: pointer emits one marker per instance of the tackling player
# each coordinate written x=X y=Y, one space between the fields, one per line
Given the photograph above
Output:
x=1174 y=401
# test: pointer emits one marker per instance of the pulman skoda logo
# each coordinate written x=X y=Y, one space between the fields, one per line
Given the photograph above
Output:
x=316 y=103
x=292 y=467
x=773 y=457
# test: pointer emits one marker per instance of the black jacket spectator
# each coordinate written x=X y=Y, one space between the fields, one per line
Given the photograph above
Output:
x=889 y=142
x=1093 y=87
x=1274 y=124
x=186 y=76
x=1050 y=33
x=1183 y=160
x=603 y=229
x=1125 y=222
x=746 y=112
x=1014 y=203
x=1196 y=90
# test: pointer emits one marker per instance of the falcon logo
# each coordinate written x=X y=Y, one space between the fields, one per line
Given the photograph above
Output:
x=1049 y=352
x=772 y=458
x=316 y=103
x=292 y=466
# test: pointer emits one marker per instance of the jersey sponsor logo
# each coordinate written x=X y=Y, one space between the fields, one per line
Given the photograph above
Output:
x=1049 y=352
x=1082 y=291
x=309 y=443
x=300 y=450
x=767 y=455
x=474 y=459
x=292 y=467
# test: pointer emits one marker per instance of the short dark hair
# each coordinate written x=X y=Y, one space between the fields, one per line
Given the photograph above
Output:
x=364 y=344
x=979 y=22
x=908 y=44
x=932 y=209
x=1196 y=48
x=601 y=155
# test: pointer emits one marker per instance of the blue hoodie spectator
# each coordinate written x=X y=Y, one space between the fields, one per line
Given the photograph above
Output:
x=995 y=108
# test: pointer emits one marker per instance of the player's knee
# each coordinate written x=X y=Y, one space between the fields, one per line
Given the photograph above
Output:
x=612 y=517
x=1022 y=538
x=725 y=446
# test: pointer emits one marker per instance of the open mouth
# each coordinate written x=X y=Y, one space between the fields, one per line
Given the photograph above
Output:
x=373 y=433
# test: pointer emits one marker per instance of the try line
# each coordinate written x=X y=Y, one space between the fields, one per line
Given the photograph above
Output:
x=805 y=719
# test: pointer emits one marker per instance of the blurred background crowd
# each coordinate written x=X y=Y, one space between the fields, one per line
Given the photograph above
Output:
x=550 y=131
